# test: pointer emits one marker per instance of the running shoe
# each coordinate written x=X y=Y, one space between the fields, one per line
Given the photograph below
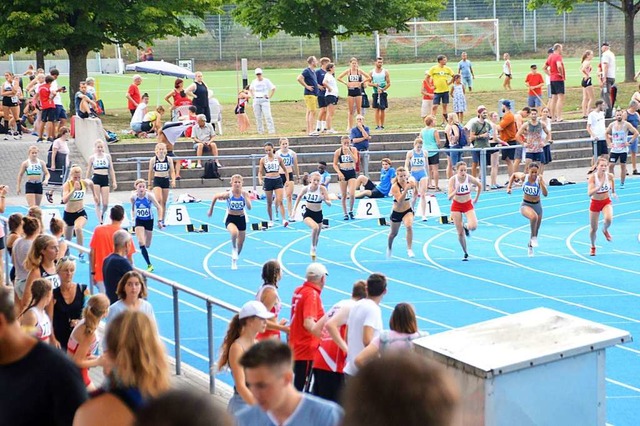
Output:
x=6 y=138
x=607 y=235
x=424 y=218
x=150 y=268
x=466 y=231
x=593 y=251
x=351 y=215
x=234 y=254
x=285 y=223
x=635 y=172
x=388 y=253
x=466 y=257
x=313 y=254
x=50 y=197
x=270 y=224
x=410 y=254
x=346 y=217
x=534 y=242
x=234 y=264
x=621 y=185
x=530 y=250
x=332 y=131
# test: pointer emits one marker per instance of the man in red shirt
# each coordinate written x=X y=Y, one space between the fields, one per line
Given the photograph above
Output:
x=48 y=107
x=535 y=82
x=557 y=75
x=306 y=310
x=133 y=94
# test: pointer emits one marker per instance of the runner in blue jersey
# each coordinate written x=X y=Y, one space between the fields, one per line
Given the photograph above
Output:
x=290 y=160
x=141 y=202
x=416 y=164
x=235 y=221
x=314 y=195
x=380 y=190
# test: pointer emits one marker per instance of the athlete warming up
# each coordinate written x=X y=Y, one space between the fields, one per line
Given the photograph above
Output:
x=532 y=187
x=315 y=194
x=101 y=166
x=344 y=163
x=162 y=175
x=290 y=160
x=403 y=191
x=236 y=223
x=141 y=202
x=75 y=217
x=599 y=185
x=269 y=178
x=460 y=192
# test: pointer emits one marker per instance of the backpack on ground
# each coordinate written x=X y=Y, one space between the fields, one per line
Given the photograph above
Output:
x=211 y=170
x=462 y=140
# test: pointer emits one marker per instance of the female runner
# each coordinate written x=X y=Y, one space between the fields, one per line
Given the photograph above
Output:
x=268 y=295
x=290 y=160
x=403 y=191
x=162 y=171
x=101 y=165
x=355 y=79
x=460 y=193
x=270 y=166
x=315 y=194
x=34 y=318
x=141 y=201
x=235 y=222
x=533 y=185
x=415 y=162
x=75 y=217
x=344 y=163
x=599 y=185
x=11 y=94
x=37 y=177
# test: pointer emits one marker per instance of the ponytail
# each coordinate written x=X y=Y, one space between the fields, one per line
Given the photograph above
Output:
x=233 y=332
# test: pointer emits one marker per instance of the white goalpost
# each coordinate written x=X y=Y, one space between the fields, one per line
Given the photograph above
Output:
x=481 y=35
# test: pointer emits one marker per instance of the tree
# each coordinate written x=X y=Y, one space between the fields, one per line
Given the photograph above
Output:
x=82 y=26
x=629 y=8
x=327 y=18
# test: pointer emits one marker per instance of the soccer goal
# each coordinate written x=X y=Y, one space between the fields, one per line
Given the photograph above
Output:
x=476 y=36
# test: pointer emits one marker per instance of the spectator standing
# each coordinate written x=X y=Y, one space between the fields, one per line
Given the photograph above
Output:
x=364 y=323
x=306 y=310
x=381 y=82
x=241 y=114
x=267 y=366
x=632 y=117
x=61 y=113
x=506 y=72
x=68 y=300
x=331 y=96
x=199 y=94
x=262 y=91
x=309 y=81
x=180 y=99
x=465 y=69
x=459 y=98
x=507 y=128
x=608 y=76
x=587 y=84
x=45 y=95
x=102 y=245
x=479 y=136
x=44 y=383
x=132 y=294
x=360 y=137
x=554 y=67
x=321 y=123
x=427 y=95
x=442 y=77
x=618 y=143
x=117 y=263
x=597 y=129
x=133 y=94
x=535 y=82
x=534 y=135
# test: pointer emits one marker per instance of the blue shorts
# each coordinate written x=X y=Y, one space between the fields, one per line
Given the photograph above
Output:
x=467 y=80
x=634 y=146
x=60 y=112
x=136 y=127
x=441 y=97
x=475 y=157
x=418 y=175
x=455 y=156
x=536 y=156
x=534 y=101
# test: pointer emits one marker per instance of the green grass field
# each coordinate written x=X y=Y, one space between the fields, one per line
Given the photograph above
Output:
x=404 y=96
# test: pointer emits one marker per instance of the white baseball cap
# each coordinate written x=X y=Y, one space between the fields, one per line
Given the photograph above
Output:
x=258 y=71
x=317 y=270
x=254 y=308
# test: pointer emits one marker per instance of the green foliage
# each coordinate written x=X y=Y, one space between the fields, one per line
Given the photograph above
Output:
x=626 y=6
x=85 y=25
x=331 y=17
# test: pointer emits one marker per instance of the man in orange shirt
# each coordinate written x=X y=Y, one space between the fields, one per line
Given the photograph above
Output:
x=508 y=130
x=133 y=94
x=306 y=310
x=102 y=245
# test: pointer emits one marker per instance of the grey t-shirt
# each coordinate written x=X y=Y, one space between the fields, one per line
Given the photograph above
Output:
x=479 y=128
x=311 y=411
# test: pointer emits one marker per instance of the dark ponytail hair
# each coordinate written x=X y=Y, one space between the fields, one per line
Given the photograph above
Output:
x=39 y=289
x=233 y=332
x=271 y=272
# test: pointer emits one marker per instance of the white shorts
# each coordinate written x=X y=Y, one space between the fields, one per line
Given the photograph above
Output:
x=425 y=109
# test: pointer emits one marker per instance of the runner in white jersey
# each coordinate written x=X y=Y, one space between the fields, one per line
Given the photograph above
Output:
x=618 y=143
x=460 y=194
x=100 y=168
x=314 y=195
x=600 y=183
x=290 y=160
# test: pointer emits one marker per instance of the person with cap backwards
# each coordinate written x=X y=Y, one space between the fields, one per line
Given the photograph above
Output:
x=535 y=82
x=306 y=310
x=241 y=335
x=262 y=90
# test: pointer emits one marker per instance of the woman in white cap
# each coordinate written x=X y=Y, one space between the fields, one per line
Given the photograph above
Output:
x=241 y=335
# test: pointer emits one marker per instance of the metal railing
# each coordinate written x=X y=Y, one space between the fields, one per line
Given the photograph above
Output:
x=176 y=289
x=366 y=157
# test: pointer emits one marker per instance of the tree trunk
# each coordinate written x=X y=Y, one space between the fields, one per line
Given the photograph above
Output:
x=629 y=38
x=77 y=72
x=40 y=59
x=326 y=47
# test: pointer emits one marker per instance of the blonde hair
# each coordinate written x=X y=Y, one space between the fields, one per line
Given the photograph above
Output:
x=34 y=257
x=138 y=356
x=138 y=182
x=97 y=307
x=65 y=263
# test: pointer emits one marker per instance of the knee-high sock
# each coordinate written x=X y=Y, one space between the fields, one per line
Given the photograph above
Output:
x=145 y=254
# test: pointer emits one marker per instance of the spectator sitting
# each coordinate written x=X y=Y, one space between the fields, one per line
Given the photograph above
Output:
x=383 y=188
x=216 y=112
x=325 y=176
x=203 y=135
x=85 y=106
x=152 y=121
x=138 y=115
x=400 y=389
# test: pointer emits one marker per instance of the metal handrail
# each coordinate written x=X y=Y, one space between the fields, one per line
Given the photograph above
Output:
x=176 y=288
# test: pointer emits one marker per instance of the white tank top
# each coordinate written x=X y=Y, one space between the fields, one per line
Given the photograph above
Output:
x=43 y=324
x=603 y=187
x=463 y=188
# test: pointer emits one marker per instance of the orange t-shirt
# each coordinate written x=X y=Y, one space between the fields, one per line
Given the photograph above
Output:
x=508 y=124
x=102 y=246
x=305 y=303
